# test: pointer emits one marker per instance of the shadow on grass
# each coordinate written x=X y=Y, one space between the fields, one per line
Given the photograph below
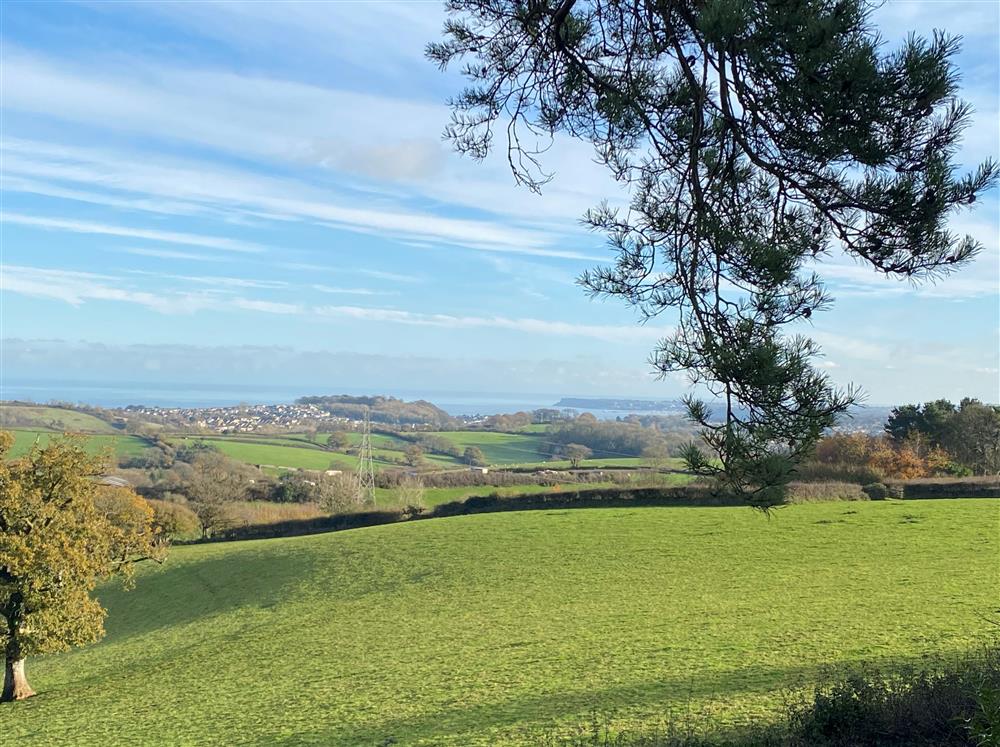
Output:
x=187 y=592
x=541 y=719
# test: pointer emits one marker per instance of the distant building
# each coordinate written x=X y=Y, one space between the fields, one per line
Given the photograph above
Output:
x=114 y=481
x=479 y=470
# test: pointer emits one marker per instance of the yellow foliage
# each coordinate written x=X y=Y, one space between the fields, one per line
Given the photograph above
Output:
x=61 y=532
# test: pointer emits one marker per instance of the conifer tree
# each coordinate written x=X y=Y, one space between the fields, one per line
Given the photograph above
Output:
x=754 y=137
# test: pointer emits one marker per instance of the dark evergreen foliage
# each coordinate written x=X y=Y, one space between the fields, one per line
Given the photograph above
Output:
x=755 y=136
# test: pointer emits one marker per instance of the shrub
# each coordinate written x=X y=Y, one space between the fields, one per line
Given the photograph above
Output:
x=948 y=487
x=945 y=708
x=174 y=519
x=876 y=491
x=954 y=707
x=859 y=474
x=809 y=492
x=253 y=513
x=410 y=493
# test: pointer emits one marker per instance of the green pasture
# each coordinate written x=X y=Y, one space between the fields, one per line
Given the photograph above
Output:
x=120 y=445
x=51 y=418
x=297 y=452
x=279 y=455
x=499 y=448
x=436 y=496
x=500 y=628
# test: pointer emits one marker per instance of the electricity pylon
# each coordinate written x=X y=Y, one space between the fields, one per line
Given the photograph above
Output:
x=365 y=477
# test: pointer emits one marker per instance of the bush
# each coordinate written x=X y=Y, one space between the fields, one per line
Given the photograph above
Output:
x=944 y=708
x=895 y=490
x=174 y=519
x=954 y=707
x=810 y=492
x=947 y=487
x=859 y=474
x=257 y=513
x=876 y=491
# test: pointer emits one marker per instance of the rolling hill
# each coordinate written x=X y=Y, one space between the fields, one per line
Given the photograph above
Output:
x=500 y=628
x=51 y=418
x=119 y=445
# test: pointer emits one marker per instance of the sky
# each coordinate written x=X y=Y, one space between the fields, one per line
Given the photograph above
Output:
x=254 y=192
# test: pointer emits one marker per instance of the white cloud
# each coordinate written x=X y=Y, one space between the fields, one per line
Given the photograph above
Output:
x=608 y=333
x=267 y=307
x=395 y=277
x=312 y=370
x=348 y=291
x=75 y=288
x=78 y=287
x=216 y=280
x=168 y=254
x=169 y=237
x=193 y=188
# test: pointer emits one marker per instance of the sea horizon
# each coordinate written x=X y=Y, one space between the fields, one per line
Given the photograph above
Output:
x=122 y=394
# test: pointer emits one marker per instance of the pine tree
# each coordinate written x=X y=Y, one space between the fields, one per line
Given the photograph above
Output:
x=754 y=136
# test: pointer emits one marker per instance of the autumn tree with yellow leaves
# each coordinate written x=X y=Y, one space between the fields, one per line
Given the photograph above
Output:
x=61 y=532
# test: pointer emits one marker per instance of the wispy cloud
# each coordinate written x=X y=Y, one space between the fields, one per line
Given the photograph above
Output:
x=216 y=281
x=169 y=237
x=168 y=254
x=608 y=333
x=78 y=287
x=349 y=291
x=313 y=369
x=190 y=188
x=395 y=277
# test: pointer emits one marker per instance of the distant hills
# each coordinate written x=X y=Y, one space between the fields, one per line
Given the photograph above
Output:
x=387 y=410
x=623 y=405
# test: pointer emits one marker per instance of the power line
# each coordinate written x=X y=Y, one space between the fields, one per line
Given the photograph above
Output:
x=365 y=479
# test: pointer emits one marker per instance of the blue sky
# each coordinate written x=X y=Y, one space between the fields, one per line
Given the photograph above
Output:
x=259 y=193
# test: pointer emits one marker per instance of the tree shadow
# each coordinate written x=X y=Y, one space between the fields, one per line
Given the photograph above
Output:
x=195 y=588
x=681 y=699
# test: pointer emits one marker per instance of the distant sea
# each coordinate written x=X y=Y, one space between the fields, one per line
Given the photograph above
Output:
x=157 y=394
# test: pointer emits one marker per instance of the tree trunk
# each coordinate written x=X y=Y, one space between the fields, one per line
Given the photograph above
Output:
x=15 y=684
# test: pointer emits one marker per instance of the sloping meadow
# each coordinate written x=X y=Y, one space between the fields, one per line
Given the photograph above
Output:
x=497 y=628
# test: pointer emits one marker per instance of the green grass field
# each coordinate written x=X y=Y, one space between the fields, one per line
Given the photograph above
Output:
x=436 y=496
x=525 y=450
x=491 y=629
x=277 y=454
x=121 y=445
x=51 y=418
x=295 y=452
x=499 y=448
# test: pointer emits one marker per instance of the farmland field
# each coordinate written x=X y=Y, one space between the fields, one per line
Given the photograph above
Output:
x=499 y=448
x=291 y=456
x=120 y=445
x=52 y=418
x=489 y=629
x=436 y=496
x=296 y=452
x=525 y=450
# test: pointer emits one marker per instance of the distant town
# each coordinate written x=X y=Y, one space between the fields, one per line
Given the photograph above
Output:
x=235 y=419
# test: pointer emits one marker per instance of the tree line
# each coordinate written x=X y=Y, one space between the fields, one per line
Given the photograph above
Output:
x=936 y=439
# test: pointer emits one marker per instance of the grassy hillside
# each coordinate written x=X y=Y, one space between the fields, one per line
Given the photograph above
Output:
x=277 y=454
x=51 y=418
x=499 y=448
x=485 y=629
x=525 y=450
x=295 y=452
x=120 y=445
